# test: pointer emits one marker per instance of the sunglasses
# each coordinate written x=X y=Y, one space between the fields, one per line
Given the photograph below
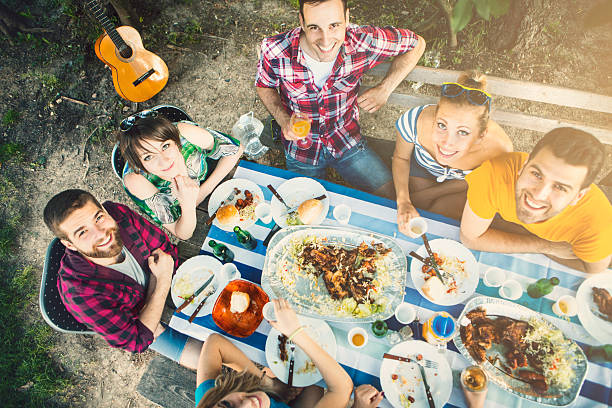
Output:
x=127 y=123
x=474 y=96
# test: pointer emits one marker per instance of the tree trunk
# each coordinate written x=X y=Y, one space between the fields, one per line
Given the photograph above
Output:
x=11 y=23
x=126 y=13
x=447 y=9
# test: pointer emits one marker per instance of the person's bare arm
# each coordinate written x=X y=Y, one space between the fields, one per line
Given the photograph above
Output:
x=375 y=97
x=338 y=381
x=218 y=351
x=476 y=234
x=400 y=168
x=161 y=265
x=271 y=100
x=580 y=265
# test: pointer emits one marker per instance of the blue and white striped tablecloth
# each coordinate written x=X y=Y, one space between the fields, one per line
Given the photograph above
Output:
x=379 y=214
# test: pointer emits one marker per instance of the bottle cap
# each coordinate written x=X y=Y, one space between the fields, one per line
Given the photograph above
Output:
x=443 y=326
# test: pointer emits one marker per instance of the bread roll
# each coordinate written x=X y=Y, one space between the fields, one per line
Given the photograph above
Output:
x=239 y=302
x=433 y=288
x=228 y=215
x=309 y=211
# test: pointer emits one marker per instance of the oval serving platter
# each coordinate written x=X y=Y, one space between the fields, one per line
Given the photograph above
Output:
x=309 y=296
x=553 y=396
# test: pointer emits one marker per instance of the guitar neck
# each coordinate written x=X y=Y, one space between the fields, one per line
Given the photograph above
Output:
x=108 y=26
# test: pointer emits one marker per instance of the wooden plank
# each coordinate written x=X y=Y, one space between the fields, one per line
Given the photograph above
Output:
x=531 y=91
x=514 y=119
x=168 y=384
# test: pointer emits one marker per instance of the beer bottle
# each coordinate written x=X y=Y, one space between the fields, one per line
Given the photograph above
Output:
x=542 y=287
x=223 y=253
x=245 y=238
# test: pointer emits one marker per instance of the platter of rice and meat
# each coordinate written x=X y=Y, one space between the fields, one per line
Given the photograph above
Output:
x=594 y=299
x=521 y=351
x=339 y=274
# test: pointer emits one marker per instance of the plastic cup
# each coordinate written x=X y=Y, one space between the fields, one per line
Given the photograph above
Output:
x=229 y=272
x=565 y=306
x=494 y=277
x=342 y=213
x=263 y=211
x=511 y=289
x=268 y=312
x=417 y=226
x=358 y=337
x=405 y=313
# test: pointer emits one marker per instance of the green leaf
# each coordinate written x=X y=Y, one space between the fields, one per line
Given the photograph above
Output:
x=483 y=8
x=499 y=7
x=462 y=14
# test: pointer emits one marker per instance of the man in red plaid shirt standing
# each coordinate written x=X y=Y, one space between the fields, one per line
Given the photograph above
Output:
x=116 y=274
x=316 y=69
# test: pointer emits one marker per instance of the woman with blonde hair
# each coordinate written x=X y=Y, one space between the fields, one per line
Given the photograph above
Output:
x=249 y=387
x=439 y=144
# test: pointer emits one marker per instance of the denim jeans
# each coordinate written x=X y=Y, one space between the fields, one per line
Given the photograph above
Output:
x=359 y=166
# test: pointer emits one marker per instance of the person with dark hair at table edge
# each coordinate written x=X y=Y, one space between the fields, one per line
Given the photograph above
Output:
x=316 y=69
x=248 y=386
x=547 y=202
x=116 y=273
x=172 y=167
x=438 y=145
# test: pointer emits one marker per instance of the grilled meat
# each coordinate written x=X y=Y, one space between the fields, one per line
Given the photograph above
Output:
x=536 y=380
x=282 y=347
x=603 y=300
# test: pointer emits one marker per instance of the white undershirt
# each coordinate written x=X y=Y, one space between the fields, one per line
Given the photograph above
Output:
x=320 y=70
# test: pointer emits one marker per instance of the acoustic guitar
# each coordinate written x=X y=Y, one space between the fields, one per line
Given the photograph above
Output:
x=138 y=74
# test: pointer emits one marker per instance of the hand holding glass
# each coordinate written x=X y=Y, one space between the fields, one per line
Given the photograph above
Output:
x=300 y=125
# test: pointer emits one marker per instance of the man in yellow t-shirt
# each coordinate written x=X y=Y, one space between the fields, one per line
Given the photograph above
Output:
x=550 y=194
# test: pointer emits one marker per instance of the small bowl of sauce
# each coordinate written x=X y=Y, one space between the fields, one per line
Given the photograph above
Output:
x=358 y=337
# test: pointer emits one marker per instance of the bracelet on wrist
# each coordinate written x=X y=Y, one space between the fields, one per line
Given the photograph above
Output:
x=295 y=332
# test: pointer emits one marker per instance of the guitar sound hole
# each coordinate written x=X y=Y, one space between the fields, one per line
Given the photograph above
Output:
x=126 y=52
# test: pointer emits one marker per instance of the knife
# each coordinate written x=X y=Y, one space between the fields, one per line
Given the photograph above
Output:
x=221 y=204
x=195 y=312
x=195 y=294
x=432 y=259
x=427 y=391
x=398 y=358
x=291 y=364
x=280 y=198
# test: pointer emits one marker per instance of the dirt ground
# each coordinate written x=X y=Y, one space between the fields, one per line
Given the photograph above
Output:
x=209 y=48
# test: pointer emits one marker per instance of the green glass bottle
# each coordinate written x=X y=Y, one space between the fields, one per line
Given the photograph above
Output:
x=223 y=253
x=379 y=328
x=600 y=353
x=245 y=238
x=542 y=287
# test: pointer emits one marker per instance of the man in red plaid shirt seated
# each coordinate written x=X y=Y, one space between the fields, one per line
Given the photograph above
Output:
x=316 y=69
x=116 y=273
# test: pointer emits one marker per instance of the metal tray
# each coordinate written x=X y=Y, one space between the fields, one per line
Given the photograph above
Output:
x=553 y=397
x=314 y=300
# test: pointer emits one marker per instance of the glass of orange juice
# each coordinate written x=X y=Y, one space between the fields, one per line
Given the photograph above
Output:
x=300 y=124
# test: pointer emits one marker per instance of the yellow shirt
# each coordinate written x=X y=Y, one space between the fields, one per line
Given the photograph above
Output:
x=587 y=226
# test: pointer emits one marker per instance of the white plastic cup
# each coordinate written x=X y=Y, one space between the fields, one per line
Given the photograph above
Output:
x=229 y=272
x=405 y=313
x=565 y=306
x=268 y=312
x=494 y=277
x=263 y=211
x=357 y=330
x=417 y=226
x=511 y=289
x=342 y=213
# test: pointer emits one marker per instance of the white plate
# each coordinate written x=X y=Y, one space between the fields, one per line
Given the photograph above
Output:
x=295 y=191
x=440 y=385
x=197 y=270
x=225 y=189
x=597 y=327
x=320 y=332
x=449 y=248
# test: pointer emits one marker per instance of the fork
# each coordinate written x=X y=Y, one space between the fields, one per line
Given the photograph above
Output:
x=424 y=362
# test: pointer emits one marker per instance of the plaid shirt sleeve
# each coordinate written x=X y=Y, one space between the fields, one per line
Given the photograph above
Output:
x=267 y=76
x=100 y=307
x=386 y=42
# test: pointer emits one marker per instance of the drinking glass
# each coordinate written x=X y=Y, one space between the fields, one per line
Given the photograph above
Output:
x=300 y=124
x=342 y=213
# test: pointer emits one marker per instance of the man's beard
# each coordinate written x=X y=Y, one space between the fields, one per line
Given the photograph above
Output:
x=113 y=250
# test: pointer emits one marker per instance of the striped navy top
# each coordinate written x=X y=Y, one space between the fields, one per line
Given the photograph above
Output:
x=407 y=127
